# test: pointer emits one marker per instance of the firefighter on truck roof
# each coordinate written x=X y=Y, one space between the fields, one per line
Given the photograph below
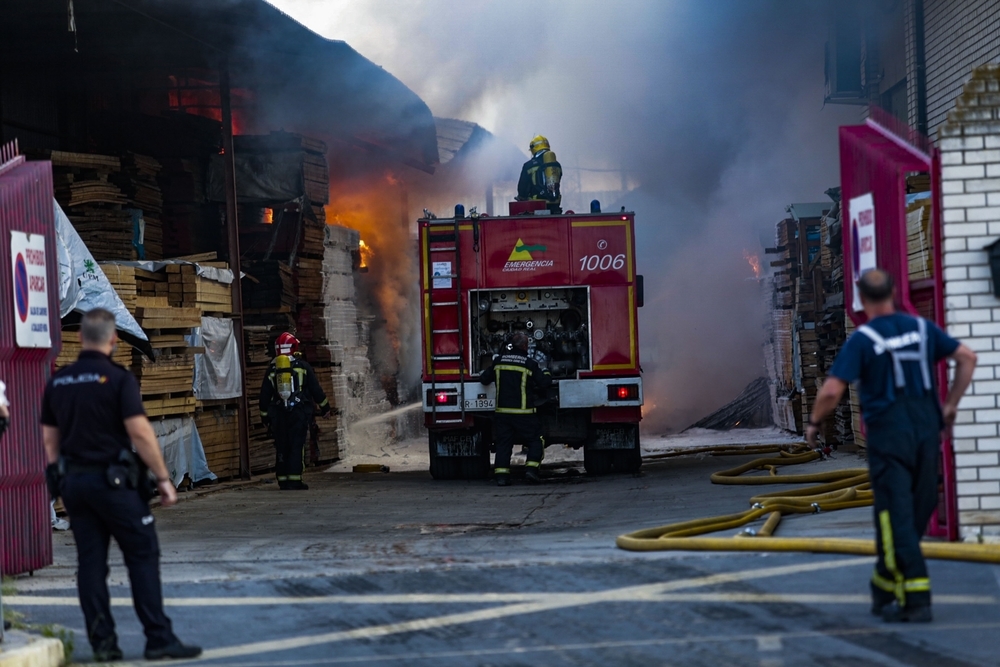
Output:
x=540 y=176
x=517 y=377
x=288 y=398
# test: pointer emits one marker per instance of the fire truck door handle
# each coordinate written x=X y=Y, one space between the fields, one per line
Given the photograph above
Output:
x=639 y=291
x=475 y=235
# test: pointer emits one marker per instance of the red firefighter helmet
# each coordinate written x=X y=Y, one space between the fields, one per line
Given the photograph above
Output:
x=286 y=344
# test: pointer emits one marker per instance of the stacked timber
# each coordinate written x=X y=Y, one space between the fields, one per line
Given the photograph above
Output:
x=137 y=180
x=187 y=289
x=271 y=288
x=219 y=433
x=166 y=381
x=71 y=349
x=919 y=244
x=807 y=324
x=122 y=279
x=114 y=204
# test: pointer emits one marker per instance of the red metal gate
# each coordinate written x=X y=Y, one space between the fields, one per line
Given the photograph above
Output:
x=876 y=158
x=25 y=534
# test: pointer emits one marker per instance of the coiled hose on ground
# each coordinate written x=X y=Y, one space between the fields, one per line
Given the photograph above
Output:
x=831 y=491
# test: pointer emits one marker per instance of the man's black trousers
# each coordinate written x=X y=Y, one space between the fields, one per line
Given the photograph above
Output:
x=511 y=429
x=290 y=429
x=903 y=451
x=97 y=512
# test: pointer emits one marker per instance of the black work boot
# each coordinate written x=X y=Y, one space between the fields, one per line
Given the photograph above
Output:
x=297 y=485
x=893 y=613
x=503 y=480
x=283 y=485
x=880 y=600
x=106 y=650
x=173 y=651
x=531 y=475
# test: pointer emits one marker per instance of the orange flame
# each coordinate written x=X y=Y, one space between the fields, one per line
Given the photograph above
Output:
x=754 y=262
x=366 y=254
x=268 y=216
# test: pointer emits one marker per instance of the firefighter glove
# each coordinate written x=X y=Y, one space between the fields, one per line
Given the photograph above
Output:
x=4 y=422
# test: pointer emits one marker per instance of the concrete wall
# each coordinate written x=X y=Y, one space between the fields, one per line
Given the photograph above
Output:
x=970 y=147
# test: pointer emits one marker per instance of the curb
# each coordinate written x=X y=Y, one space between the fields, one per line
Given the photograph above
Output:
x=30 y=651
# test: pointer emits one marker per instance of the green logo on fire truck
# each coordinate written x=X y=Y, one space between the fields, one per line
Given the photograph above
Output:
x=521 y=258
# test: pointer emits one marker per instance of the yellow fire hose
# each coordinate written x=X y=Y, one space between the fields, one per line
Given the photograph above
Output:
x=833 y=490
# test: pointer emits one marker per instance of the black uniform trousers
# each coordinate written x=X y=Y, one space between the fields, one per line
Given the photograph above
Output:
x=97 y=512
x=290 y=429
x=510 y=429
x=903 y=451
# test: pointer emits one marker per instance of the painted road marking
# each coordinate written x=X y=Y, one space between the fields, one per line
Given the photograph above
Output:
x=506 y=650
x=553 y=601
x=769 y=643
x=475 y=598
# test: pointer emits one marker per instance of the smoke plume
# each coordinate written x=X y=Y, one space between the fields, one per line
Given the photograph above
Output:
x=708 y=113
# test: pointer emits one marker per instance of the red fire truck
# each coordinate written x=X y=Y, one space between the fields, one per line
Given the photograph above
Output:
x=569 y=281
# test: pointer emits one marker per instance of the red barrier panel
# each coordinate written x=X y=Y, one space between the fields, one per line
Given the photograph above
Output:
x=875 y=158
x=25 y=534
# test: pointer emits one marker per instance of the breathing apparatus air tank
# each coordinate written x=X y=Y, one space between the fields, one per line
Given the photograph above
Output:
x=283 y=378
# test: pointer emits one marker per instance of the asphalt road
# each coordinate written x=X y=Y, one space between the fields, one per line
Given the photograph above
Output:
x=400 y=570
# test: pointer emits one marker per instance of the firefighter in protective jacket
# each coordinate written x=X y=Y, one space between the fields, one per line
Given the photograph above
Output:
x=289 y=396
x=540 y=176
x=517 y=378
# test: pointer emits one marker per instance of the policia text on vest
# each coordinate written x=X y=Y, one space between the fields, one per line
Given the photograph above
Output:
x=288 y=417
x=892 y=358
x=517 y=378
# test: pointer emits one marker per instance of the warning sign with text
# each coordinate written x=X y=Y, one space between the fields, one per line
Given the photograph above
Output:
x=31 y=293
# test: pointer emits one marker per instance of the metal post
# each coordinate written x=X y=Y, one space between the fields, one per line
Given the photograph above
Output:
x=232 y=227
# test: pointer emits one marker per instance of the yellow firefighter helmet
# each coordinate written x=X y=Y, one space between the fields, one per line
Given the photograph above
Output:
x=538 y=144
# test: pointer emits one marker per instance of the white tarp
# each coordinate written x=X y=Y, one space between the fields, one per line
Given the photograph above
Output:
x=217 y=371
x=82 y=283
x=211 y=272
x=182 y=449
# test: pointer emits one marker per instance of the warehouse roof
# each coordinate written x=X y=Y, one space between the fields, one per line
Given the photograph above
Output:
x=304 y=81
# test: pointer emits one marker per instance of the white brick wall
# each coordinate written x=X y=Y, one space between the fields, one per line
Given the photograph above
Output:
x=970 y=152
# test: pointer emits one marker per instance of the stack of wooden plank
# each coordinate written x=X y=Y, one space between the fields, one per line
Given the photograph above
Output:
x=71 y=350
x=189 y=290
x=166 y=381
x=137 y=180
x=918 y=239
x=218 y=429
x=808 y=320
x=122 y=278
x=272 y=288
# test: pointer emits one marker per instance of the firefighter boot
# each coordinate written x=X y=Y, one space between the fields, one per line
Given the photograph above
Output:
x=297 y=485
x=531 y=472
x=893 y=613
x=880 y=599
x=502 y=476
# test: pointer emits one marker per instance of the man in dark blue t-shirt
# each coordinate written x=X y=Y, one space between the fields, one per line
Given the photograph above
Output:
x=893 y=358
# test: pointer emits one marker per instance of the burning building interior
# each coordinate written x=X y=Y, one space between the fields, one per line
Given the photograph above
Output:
x=188 y=137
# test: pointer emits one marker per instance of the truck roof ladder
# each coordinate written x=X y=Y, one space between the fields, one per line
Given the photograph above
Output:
x=445 y=232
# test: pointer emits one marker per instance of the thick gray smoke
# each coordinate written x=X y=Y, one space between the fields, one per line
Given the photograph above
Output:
x=713 y=110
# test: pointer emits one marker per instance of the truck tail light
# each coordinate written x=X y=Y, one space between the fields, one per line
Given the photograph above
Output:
x=442 y=398
x=623 y=392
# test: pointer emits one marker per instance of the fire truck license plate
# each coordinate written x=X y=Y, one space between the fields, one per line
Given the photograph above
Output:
x=480 y=404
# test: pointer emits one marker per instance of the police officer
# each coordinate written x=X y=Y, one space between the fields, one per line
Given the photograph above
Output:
x=541 y=175
x=289 y=396
x=517 y=377
x=893 y=357
x=92 y=416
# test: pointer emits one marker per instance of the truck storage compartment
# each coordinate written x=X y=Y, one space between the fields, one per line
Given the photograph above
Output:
x=556 y=320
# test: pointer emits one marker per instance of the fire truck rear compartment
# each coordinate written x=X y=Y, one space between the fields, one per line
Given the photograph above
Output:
x=556 y=320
